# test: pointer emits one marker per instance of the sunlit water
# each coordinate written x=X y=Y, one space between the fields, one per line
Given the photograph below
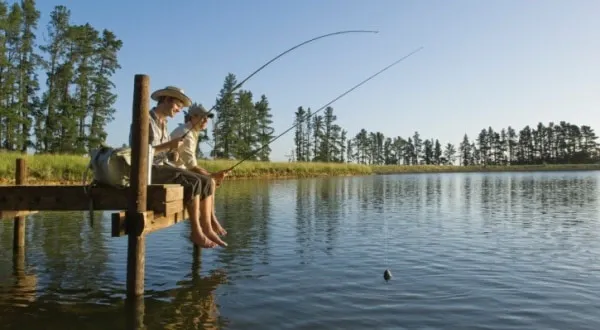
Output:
x=467 y=251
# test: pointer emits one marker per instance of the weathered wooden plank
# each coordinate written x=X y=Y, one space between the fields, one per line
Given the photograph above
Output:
x=13 y=214
x=171 y=208
x=152 y=221
x=170 y=194
x=165 y=221
x=74 y=198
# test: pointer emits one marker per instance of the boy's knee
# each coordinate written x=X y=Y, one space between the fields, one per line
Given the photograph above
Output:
x=208 y=185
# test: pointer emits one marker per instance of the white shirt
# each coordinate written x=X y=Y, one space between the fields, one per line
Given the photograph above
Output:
x=187 y=151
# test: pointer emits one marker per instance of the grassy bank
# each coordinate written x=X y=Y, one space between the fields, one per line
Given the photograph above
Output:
x=397 y=169
x=70 y=169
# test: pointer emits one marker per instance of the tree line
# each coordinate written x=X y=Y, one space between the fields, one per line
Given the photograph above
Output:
x=562 y=143
x=75 y=65
x=320 y=139
x=242 y=129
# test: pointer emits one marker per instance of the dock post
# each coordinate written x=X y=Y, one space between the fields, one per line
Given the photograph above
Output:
x=136 y=242
x=19 y=221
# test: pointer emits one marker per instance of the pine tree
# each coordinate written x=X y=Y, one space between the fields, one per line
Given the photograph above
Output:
x=225 y=110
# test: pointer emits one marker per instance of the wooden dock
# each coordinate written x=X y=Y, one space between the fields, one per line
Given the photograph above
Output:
x=139 y=209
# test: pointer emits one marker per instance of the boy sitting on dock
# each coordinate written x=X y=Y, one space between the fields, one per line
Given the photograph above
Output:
x=198 y=189
x=195 y=121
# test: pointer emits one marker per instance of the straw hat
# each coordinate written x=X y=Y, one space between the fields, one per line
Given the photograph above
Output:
x=173 y=92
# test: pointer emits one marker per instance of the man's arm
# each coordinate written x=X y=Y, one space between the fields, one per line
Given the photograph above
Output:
x=172 y=144
x=158 y=148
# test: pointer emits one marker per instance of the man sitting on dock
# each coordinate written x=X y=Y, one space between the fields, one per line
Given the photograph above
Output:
x=195 y=121
x=197 y=189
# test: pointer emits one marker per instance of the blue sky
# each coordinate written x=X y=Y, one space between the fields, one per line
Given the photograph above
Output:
x=484 y=63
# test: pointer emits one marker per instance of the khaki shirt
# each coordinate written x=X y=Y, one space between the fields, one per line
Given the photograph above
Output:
x=187 y=151
x=157 y=135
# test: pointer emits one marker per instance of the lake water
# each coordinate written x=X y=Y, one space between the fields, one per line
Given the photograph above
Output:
x=467 y=251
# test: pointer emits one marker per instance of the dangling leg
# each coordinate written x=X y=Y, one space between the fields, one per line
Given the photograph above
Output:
x=198 y=237
x=205 y=220
x=215 y=222
x=167 y=175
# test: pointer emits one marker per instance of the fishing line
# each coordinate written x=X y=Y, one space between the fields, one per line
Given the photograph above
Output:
x=285 y=52
x=387 y=274
x=385 y=238
x=326 y=105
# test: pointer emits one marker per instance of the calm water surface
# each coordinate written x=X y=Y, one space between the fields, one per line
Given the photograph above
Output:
x=467 y=251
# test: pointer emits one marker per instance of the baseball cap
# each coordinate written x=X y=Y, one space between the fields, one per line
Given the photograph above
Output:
x=198 y=110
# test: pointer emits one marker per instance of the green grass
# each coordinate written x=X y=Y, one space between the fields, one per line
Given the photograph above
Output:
x=48 y=167
x=251 y=169
x=70 y=169
x=395 y=169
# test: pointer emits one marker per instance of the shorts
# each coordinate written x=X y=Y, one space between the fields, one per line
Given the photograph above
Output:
x=193 y=183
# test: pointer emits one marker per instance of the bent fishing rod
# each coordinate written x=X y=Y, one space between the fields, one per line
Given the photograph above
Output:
x=236 y=87
x=326 y=105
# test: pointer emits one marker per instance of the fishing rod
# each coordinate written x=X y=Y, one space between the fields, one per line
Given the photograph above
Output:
x=326 y=105
x=285 y=52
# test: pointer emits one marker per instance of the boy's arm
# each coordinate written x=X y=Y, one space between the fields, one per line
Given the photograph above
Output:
x=172 y=144
x=187 y=154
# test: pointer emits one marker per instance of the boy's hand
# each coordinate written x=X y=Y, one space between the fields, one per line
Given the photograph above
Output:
x=219 y=176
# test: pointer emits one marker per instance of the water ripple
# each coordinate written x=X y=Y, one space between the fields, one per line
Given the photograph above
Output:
x=467 y=251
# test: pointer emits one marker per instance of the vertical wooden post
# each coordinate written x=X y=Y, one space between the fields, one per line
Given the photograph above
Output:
x=135 y=309
x=196 y=263
x=197 y=254
x=136 y=243
x=19 y=222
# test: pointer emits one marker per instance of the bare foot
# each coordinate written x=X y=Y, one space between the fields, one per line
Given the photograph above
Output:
x=202 y=241
x=214 y=237
x=217 y=227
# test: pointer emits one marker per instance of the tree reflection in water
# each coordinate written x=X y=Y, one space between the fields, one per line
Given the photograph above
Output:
x=62 y=301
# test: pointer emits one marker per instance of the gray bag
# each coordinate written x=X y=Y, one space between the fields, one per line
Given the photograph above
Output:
x=111 y=166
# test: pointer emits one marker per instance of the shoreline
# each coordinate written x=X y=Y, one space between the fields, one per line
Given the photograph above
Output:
x=69 y=169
